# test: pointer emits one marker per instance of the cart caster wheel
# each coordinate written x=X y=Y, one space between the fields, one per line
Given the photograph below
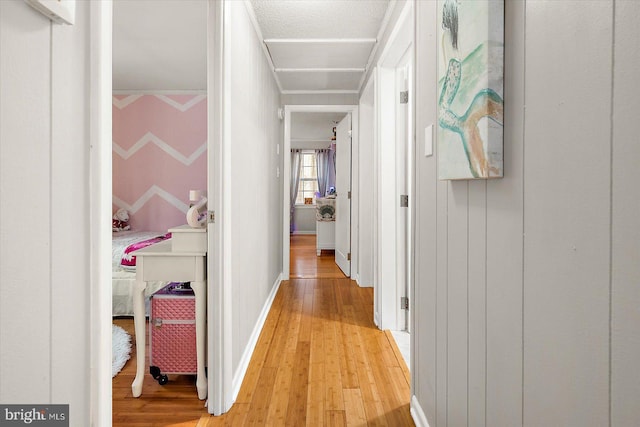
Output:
x=155 y=372
x=163 y=379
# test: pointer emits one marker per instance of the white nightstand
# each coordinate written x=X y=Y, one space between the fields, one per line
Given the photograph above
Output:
x=179 y=259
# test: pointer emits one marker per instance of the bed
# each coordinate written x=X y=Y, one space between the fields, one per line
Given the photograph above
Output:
x=123 y=268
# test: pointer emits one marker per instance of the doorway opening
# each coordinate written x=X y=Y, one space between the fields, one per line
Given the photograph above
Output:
x=316 y=237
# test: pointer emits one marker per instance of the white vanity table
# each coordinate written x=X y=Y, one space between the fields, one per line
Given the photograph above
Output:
x=179 y=259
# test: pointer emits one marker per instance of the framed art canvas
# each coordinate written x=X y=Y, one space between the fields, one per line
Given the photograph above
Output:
x=60 y=11
x=470 y=89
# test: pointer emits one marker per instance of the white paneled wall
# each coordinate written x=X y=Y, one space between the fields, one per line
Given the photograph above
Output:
x=44 y=209
x=527 y=287
x=625 y=231
x=256 y=191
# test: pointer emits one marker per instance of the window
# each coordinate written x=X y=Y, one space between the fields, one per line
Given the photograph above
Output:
x=308 y=177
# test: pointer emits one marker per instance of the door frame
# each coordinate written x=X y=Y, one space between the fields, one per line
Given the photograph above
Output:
x=286 y=172
x=387 y=292
x=100 y=185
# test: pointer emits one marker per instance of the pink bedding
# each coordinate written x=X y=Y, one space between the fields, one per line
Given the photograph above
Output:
x=128 y=260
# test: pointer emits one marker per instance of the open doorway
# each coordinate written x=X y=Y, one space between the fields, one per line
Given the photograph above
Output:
x=313 y=192
x=159 y=127
x=309 y=133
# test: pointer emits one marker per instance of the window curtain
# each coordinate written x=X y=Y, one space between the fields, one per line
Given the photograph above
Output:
x=294 y=184
x=322 y=163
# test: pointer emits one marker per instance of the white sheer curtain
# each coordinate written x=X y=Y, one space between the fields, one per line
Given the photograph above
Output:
x=322 y=164
x=294 y=184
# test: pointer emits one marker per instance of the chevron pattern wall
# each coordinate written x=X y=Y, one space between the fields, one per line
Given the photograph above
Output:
x=159 y=154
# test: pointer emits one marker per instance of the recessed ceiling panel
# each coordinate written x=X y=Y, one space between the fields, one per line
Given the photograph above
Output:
x=324 y=54
x=319 y=18
x=312 y=81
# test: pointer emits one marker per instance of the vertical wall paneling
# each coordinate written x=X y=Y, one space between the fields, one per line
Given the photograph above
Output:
x=425 y=372
x=567 y=213
x=25 y=173
x=504 y=232
x=442 y=301
x=477 y=303
x=69 y=194
x=625 y=303
x=458 y=302
x=552 y=269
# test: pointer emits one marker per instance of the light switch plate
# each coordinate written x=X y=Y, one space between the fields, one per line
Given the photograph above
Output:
x=428 y=141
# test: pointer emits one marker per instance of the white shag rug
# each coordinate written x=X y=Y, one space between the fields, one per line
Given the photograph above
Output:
x=120 y=349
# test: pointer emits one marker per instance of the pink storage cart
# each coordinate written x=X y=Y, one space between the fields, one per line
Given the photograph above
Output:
x=172 y=332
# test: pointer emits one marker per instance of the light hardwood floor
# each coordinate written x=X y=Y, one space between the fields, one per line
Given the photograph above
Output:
x=320 y=360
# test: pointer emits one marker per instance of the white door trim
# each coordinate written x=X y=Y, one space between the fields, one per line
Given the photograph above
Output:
x=219 y=337
x=100 y=183
x=288 y=109
x=386 y=289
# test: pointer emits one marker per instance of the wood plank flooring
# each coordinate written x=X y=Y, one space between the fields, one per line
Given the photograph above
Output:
x=319 y=361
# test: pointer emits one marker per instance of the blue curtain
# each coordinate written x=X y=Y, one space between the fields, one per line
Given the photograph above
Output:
x=322 y=163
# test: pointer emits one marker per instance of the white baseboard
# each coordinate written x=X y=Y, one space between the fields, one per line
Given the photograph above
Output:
x=238 y=377
x=417 y=413
x=305 y=232
x=357 y=279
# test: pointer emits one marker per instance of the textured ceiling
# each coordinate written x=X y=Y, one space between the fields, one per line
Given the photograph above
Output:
x=159 y=45
x=320 y=45
x=319 y=18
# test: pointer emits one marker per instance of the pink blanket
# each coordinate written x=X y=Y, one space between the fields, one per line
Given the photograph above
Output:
x=129 y=260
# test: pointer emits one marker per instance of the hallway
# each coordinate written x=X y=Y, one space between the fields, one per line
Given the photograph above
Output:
x=320 y=360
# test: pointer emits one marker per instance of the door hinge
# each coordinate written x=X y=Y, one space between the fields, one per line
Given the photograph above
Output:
x=350 y=133
x=404 y=303
x=404 y=97
x=211 y=217
x=349 y=256
x=404 y=201
x=348 y=194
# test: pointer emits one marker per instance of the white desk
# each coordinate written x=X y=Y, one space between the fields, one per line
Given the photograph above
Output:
x=161 y=262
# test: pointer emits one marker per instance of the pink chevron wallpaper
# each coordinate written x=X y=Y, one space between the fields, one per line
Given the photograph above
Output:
x=159 y=154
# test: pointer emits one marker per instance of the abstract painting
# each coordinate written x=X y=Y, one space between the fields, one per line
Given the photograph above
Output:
x=470 y=89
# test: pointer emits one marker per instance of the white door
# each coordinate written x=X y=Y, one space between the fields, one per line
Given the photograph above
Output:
x=343 y=198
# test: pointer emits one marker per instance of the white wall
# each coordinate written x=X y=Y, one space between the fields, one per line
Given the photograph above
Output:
x=319 y=99
x=366 y=185
x=304 y=219
x=526 y=289
x=44 y=209
x=256 y=195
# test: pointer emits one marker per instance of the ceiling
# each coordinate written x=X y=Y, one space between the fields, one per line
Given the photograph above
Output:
x=320 y=46
x=314 y=46
x=313 y=130
x=159 y=45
